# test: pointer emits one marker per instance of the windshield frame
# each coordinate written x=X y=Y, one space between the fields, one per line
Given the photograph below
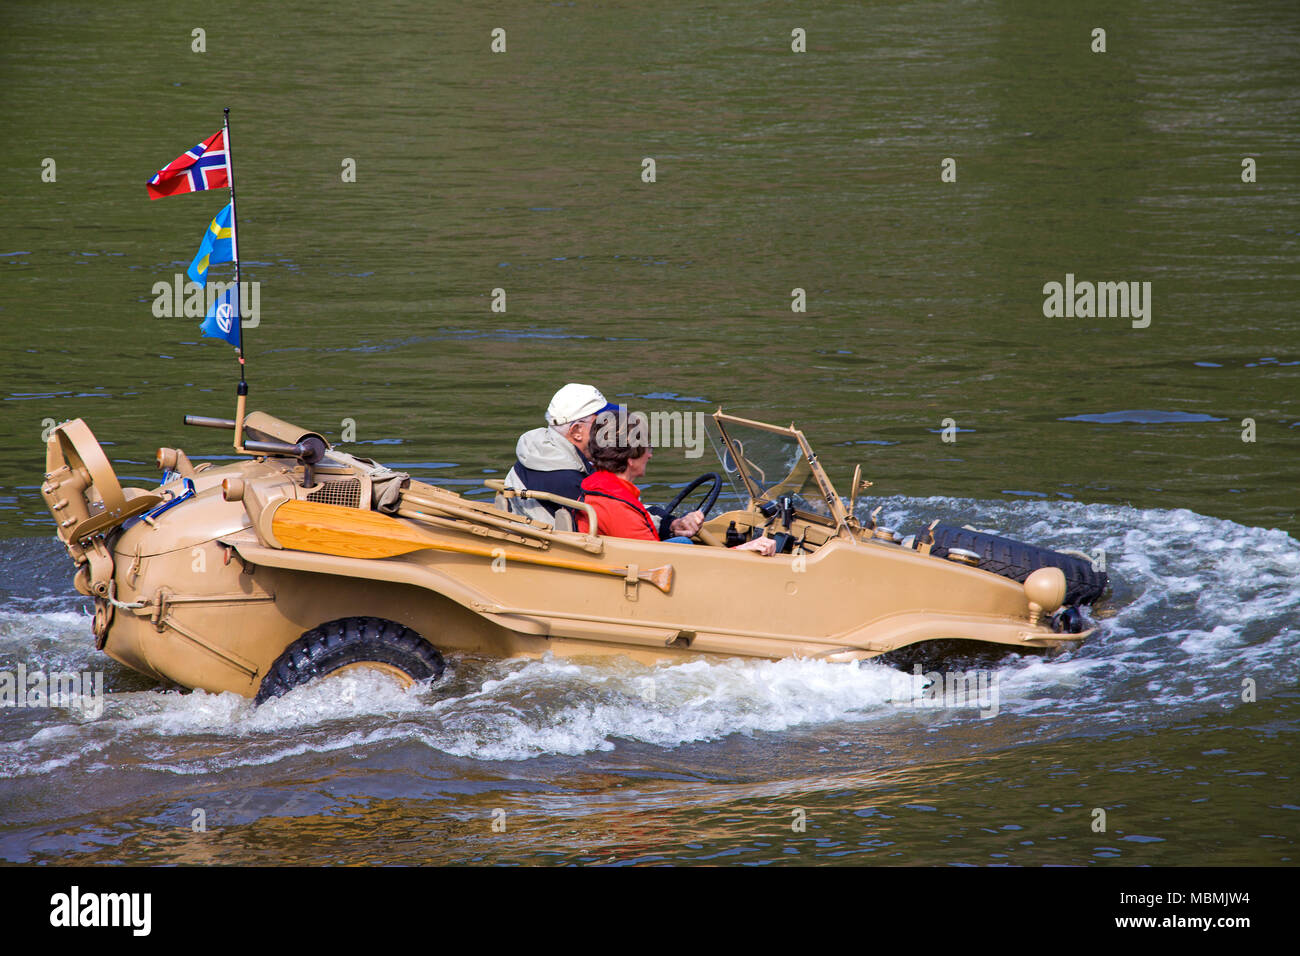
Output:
x=838 y=515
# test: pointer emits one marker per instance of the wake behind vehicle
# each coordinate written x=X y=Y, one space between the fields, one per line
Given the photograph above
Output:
x=302 y=560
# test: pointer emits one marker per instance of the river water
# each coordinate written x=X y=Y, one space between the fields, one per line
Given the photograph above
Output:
x=775 y=171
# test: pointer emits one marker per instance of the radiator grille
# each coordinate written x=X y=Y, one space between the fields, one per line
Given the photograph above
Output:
x=346 y=492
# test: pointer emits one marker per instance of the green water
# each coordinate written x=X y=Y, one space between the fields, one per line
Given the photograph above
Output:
x=775 y=171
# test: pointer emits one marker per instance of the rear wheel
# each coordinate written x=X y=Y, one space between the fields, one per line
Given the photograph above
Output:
x=352 y=643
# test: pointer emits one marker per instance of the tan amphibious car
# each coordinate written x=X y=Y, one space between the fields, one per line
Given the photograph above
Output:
x=301 y=560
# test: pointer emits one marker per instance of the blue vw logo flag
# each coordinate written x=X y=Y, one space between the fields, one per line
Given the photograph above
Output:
x=222 y=320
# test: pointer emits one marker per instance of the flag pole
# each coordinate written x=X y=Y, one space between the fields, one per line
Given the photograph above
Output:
x=241 y=390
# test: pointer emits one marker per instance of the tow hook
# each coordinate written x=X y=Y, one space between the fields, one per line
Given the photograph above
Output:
x=1068 y=620
x=104 y=610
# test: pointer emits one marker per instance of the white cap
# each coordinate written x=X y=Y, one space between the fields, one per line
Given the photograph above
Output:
x=574 y=402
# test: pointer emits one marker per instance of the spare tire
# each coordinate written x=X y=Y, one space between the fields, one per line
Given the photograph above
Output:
x=1013 y=559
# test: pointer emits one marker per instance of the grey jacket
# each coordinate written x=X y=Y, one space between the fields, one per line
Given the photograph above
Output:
x=547 y=461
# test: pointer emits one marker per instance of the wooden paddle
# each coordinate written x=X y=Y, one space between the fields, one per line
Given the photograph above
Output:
x=350 y=533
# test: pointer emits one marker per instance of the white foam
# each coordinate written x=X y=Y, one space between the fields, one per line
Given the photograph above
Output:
x=579 y=708
x=341 y=698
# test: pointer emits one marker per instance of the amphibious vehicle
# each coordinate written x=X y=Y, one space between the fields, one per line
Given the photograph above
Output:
x=300 y=560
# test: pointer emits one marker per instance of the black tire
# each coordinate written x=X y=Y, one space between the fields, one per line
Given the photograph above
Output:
x=1015 y=559
x=352 y=640
x=953 y=654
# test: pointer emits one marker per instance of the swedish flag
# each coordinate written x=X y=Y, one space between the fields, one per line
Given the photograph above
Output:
x=215 y=247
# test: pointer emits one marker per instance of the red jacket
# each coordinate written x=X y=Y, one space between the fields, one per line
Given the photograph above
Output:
x=625 y=517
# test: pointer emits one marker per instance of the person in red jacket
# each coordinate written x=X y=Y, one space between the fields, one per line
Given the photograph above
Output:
x=620 y=457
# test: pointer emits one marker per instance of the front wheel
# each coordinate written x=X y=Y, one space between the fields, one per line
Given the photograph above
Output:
x=352 y=642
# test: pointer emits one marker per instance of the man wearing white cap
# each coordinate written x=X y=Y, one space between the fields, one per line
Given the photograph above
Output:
x=554 y=458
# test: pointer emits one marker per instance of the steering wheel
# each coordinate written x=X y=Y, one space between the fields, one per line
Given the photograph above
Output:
x=710 y=499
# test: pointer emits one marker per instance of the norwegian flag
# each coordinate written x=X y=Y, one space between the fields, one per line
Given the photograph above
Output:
x=202 y=167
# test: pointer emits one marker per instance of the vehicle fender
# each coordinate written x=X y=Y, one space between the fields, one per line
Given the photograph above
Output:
x=398 y=572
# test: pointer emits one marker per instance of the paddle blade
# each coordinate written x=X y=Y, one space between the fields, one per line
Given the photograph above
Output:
x=343 y=532
x=662 y=578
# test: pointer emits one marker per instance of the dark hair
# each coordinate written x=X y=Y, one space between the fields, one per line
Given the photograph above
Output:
x=614 y=443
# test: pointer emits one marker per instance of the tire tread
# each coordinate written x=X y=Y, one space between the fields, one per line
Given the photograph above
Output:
x=350 y=640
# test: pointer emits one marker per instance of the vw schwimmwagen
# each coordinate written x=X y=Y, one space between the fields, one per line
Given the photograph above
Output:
x=300 y=560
